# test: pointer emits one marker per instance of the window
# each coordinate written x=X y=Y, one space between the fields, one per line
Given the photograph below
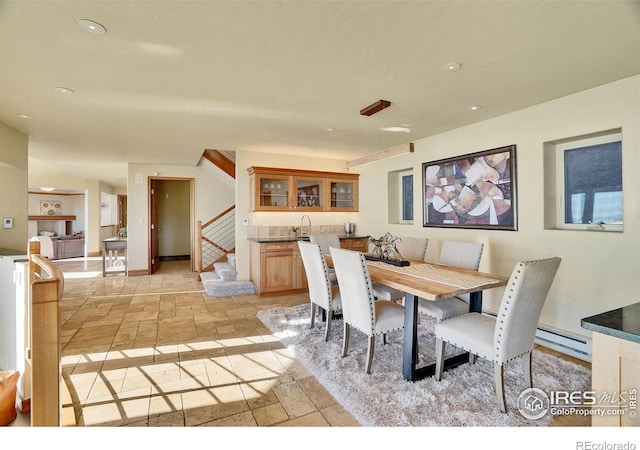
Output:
x=588 y=182
x=400 y=189
x=407 y=197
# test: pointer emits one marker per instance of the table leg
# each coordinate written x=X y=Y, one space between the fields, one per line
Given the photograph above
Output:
x=410 y=341
x=410 y=337
x=104 y=266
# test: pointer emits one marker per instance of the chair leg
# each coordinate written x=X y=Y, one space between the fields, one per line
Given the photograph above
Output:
x=327 y=328
x=313 y=314
x=384 y=338
x=526 y=368
x=498 y=373
x=472 y=358
x=345 y=339
x=440 y=346
x=370 y=346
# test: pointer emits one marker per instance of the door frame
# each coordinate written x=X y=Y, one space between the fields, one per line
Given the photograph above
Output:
x=150 y=215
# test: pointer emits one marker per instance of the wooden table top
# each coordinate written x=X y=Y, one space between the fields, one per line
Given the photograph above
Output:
x=432 y=281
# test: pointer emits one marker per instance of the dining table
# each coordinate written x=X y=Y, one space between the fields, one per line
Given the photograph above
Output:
x=432 y=282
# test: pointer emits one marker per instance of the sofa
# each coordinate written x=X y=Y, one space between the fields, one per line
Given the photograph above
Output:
x=68 y=247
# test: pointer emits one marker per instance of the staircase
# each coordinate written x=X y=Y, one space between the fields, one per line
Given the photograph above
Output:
x=222 y=281
x=216 y=264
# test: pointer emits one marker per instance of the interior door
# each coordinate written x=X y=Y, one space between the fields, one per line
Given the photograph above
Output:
x=154 y=241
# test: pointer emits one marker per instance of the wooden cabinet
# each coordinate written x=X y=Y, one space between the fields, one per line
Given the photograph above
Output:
x=357 y=244
x=277 y=267
x=274 y=189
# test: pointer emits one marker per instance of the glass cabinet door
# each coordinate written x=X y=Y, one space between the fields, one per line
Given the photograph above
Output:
x=343 y=195
x=273 y=192
x=309 y=193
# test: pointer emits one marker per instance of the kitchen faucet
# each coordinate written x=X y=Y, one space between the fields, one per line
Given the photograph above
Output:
x=302 y=224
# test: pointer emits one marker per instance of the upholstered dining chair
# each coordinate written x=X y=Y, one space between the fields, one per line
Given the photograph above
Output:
x=326 y=241
x=465 y=255
x=359 y=308
x=511 y=334
x=322 y=292
x=409 y=248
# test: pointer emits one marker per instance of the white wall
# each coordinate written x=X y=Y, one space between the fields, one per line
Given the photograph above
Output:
x=598 y=270
x=72 y=205
x=13 y=187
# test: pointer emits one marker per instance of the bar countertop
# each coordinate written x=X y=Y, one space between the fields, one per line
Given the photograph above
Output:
x=15 y=255
x=623 y=323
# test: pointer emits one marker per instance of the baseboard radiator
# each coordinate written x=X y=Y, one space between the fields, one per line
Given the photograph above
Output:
x=566 y=343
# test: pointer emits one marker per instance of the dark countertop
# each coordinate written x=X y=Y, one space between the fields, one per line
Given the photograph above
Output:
x=623 y=323
x=305 y=238
x=15 y=255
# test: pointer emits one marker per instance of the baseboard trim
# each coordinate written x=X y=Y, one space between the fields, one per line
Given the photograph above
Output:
x=138 y=273
x=561 y=341
x=175 y=258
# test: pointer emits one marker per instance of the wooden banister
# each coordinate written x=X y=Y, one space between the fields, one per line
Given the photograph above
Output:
x=224 y=163
x=46 y=288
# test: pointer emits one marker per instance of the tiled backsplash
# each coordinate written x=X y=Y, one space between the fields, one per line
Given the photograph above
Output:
x=285 y=230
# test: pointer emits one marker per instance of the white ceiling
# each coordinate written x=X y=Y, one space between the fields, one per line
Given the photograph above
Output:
x=170 y=79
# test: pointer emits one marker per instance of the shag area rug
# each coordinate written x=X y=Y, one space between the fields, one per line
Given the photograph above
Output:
x=464 y=397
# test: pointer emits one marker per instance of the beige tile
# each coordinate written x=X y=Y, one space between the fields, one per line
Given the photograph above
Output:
x=270 y=415
x=294 y=400
x=314 y=419
x=156 y=351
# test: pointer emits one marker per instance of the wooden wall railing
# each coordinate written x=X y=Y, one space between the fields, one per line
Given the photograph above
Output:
x=46 y=288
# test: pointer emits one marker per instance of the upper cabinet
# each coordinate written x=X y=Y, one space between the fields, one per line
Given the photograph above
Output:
x=274 y=189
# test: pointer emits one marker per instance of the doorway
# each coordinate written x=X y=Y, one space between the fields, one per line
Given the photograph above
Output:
x=171 y=219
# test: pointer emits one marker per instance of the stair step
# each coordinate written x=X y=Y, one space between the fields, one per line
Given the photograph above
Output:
x=225 y=271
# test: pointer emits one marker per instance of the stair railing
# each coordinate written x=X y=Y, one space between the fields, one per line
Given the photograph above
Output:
x=216 y=238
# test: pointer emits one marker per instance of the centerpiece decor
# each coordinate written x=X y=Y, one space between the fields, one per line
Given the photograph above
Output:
x=385 y=250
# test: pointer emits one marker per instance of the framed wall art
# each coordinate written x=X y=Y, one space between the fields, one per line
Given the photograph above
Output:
x=50 y=207
x=477 y=190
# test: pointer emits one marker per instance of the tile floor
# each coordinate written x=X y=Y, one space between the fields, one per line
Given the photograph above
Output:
x=158 y=351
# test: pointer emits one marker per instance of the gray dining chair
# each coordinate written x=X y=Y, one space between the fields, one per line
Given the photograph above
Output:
x=322 y=293
x=464 y=255
x=326 y=241
x=409 y=248
x=360 y=310
x=511 y=334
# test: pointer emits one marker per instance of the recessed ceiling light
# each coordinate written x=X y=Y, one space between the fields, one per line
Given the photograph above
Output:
x=63 y=90
x=475 y=107
x=24 y=116
x=451 y=67
x=397 y=129
x=331 y=129
x=91 y=27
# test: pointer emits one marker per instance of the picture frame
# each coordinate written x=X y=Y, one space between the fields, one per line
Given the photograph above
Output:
x=476 y=190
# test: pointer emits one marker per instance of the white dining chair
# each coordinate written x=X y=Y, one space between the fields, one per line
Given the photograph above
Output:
x=509 y=335
x=464 y=255
x=359 y=308
x=409 y=248
x=326 y=241
x=322 y=293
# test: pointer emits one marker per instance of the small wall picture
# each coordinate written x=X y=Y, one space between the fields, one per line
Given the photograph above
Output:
x=50 y=207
